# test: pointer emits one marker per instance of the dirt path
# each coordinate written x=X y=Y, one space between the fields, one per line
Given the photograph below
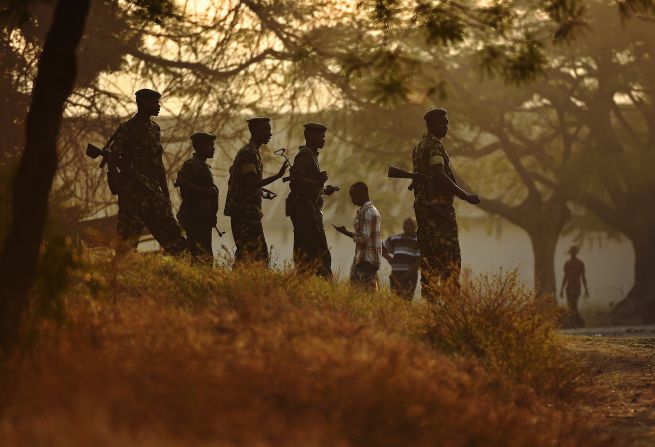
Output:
x=622 y=391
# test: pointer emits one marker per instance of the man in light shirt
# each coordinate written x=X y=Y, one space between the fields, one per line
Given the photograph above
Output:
x=368 y=243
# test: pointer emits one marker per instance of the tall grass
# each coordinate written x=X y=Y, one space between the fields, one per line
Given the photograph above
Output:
x=174 y=354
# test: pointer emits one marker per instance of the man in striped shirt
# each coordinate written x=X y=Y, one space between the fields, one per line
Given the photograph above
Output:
x=368 y=243
x=401 y=250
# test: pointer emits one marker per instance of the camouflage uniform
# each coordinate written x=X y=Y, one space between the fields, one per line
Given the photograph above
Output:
x=244 y=206
x=435 y=216
x=141 y=202
x=310 y=248
x=197 y=213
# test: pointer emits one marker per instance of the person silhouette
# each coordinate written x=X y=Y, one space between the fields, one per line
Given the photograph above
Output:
x=574 y=274
x=197 y=214
x=143 y=197
x=401 y=251
x=304 y=205
x=434 y=190
x=243 y=203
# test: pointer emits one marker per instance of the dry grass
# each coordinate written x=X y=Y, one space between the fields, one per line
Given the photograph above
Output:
x=500 y=321
x=174 y=355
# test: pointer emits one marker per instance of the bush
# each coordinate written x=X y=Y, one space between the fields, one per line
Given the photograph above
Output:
x=182 y=355
x=509 y=328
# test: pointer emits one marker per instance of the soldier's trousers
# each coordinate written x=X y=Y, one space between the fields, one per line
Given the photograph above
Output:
x=199 y=238
x=152 y=211
x=438 y=242
x=310 y=249
x=249 y=238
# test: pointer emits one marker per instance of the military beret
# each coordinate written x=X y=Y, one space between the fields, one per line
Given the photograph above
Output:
x=435 y=114
x=258 y=119
x=147 y=93
x=315 y=127
x=201 y=137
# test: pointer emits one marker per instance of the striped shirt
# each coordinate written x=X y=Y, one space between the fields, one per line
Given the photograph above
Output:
x=368 y=242
x=404 y=249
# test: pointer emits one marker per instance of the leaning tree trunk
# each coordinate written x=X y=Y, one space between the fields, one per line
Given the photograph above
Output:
x=52 y=86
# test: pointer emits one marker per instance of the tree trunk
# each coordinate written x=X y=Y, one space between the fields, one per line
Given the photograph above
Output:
x=544 y=244
x=543 y=221
x=33 y=180
x=638 y=307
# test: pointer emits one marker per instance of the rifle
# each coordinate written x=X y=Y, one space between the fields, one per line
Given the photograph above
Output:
x=93 y=152
x=395 y=172
x=282 y=153
x=417 y=176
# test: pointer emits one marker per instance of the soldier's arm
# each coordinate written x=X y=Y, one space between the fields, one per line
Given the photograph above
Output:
x=330 y=189
x=163 y=181
x=185 y=182
x=302 y=180
x=250 y=178
x=446 y=184
x=118 y=145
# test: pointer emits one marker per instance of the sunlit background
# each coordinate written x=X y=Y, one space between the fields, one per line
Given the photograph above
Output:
x=551 y=111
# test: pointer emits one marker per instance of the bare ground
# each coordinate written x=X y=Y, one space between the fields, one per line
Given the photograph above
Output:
x=621 y=392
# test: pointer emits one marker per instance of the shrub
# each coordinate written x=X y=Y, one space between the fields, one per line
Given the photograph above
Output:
x=509 y=328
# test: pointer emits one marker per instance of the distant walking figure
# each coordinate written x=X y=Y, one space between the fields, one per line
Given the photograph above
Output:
x=574 y=272
x=368 y=243
x=401 y=250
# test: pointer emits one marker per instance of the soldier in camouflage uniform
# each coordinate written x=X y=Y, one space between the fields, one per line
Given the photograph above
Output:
x=143 y=196
x=244 y=195
x=434 y=188
x=199 y=205
x=310 y=249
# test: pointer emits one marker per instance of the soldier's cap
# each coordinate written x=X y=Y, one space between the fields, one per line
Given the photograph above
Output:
x=315 y=127
x=435 y=114
x=258 y=119
x=147 y=93
x=202 y=137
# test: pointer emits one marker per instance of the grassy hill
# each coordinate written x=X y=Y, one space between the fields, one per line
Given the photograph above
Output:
x=151 y=351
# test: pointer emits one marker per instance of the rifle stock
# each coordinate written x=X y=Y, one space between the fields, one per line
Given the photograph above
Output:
x=93 y=152
x=395 y=172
